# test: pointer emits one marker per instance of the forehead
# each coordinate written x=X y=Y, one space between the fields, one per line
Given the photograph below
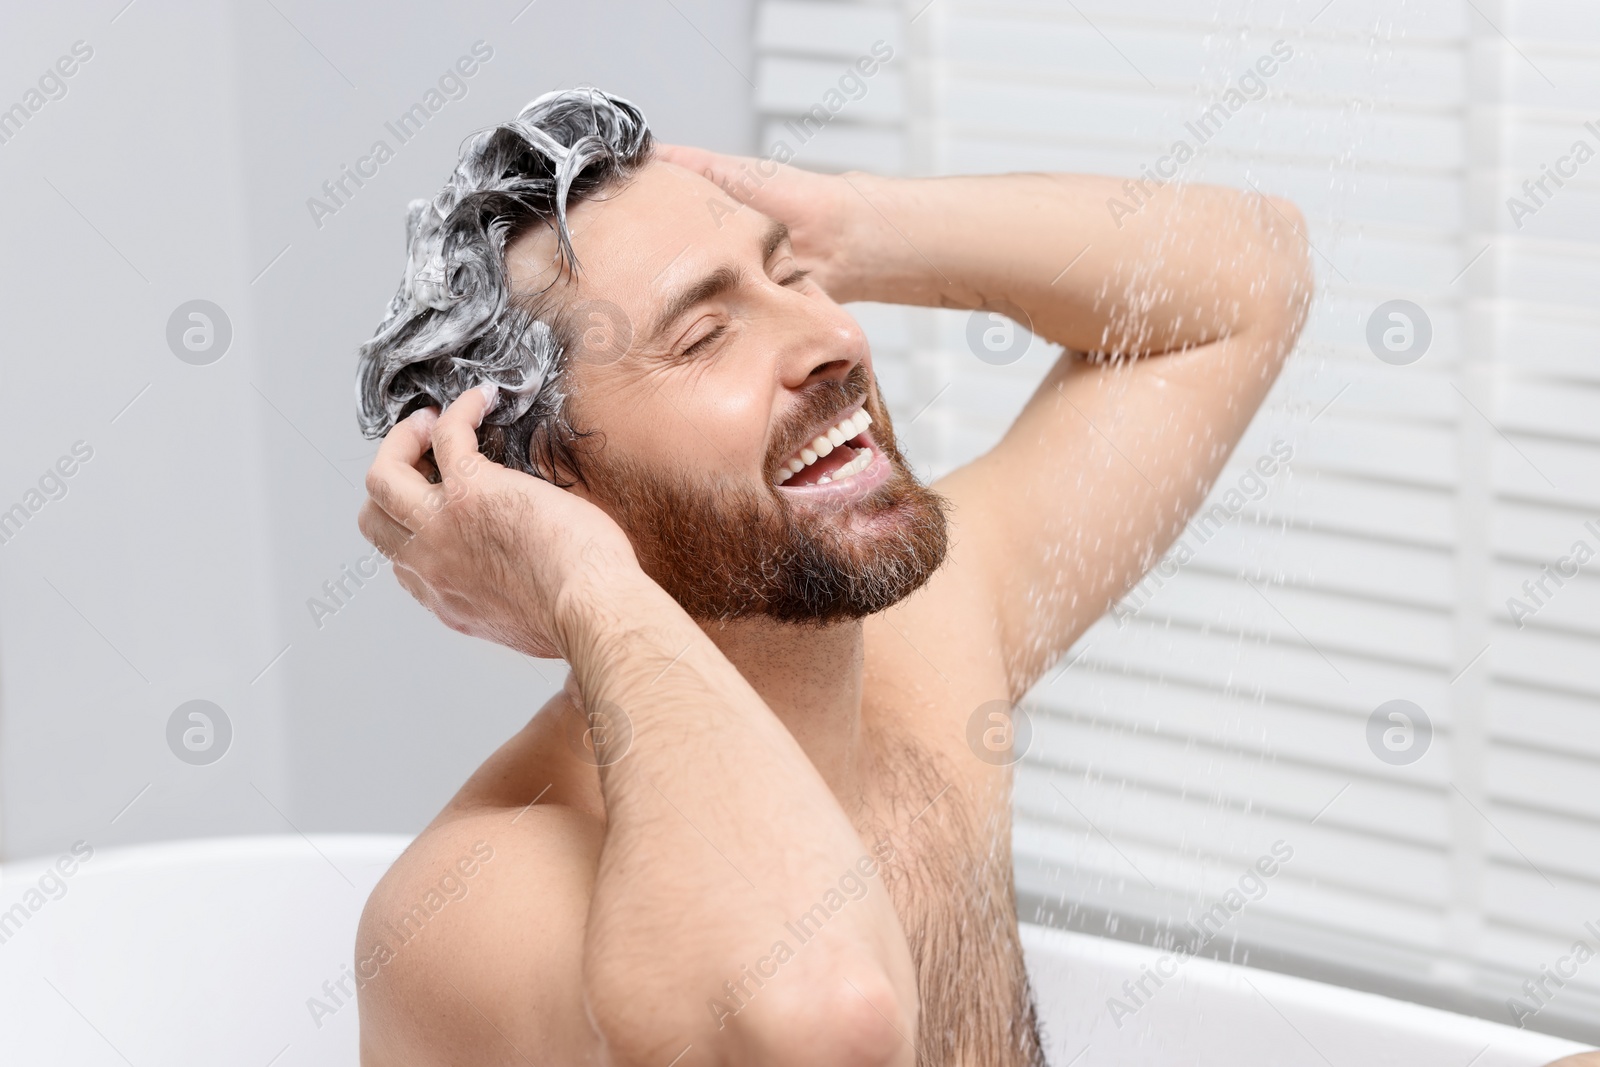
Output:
x=632 y=244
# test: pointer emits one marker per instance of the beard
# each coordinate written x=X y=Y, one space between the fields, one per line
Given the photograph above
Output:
x=727 y=550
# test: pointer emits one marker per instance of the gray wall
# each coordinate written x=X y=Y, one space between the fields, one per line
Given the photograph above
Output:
x=178 y=564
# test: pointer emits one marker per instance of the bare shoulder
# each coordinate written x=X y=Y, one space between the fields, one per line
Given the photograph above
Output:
x=473 y=941
x=470 y=948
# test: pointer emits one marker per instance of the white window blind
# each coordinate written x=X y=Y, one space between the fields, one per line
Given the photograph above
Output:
x=1227 y=707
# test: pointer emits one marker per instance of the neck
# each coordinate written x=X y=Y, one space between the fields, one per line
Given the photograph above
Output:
x=810 y=677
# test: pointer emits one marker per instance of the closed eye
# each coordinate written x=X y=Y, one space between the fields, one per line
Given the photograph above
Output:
x=706 y=340
x=710 y=338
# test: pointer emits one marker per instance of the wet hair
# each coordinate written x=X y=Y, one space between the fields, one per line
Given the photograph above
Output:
x=455 y=323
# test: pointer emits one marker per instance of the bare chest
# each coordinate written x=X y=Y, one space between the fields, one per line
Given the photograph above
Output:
x=949 y=876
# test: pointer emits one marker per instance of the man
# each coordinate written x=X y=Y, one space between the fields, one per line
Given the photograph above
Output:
x=753 y=827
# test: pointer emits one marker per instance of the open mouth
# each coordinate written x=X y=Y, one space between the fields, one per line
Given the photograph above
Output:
x=838 y=454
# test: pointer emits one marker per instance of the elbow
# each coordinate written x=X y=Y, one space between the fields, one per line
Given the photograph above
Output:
x=811 y=1013
x=853 y=1021
x=1283 y=276
x=873 y=1025
x=1292 y=277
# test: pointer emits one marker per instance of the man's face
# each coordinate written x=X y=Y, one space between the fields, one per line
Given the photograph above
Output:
x=709 y=366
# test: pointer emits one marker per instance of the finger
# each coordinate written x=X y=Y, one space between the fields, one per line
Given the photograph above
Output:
x=386 y=535
x=686 y=156
x=410 y=438
x=713 y=166
x=455 y=435
x=394 y=480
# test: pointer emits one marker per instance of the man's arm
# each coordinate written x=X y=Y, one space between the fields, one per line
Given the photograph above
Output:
x=1190 y=307
x=719 y=831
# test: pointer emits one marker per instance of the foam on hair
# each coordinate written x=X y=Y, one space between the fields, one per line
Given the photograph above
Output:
x=455 y=324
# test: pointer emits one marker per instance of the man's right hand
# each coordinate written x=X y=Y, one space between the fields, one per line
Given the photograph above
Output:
x=492 y=552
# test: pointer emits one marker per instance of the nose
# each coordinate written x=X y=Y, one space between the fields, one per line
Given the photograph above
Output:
x=825 y=342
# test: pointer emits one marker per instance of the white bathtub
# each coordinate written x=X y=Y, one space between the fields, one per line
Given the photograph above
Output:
x=205 y=954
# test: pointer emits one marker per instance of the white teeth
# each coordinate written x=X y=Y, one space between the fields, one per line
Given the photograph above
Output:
x=849 y=470
x=826 y=443
x=855 y=466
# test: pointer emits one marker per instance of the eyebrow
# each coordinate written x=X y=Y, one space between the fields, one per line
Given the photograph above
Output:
x=722 y=280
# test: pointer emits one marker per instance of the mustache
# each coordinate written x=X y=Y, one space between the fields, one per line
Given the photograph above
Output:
x=817 y=405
